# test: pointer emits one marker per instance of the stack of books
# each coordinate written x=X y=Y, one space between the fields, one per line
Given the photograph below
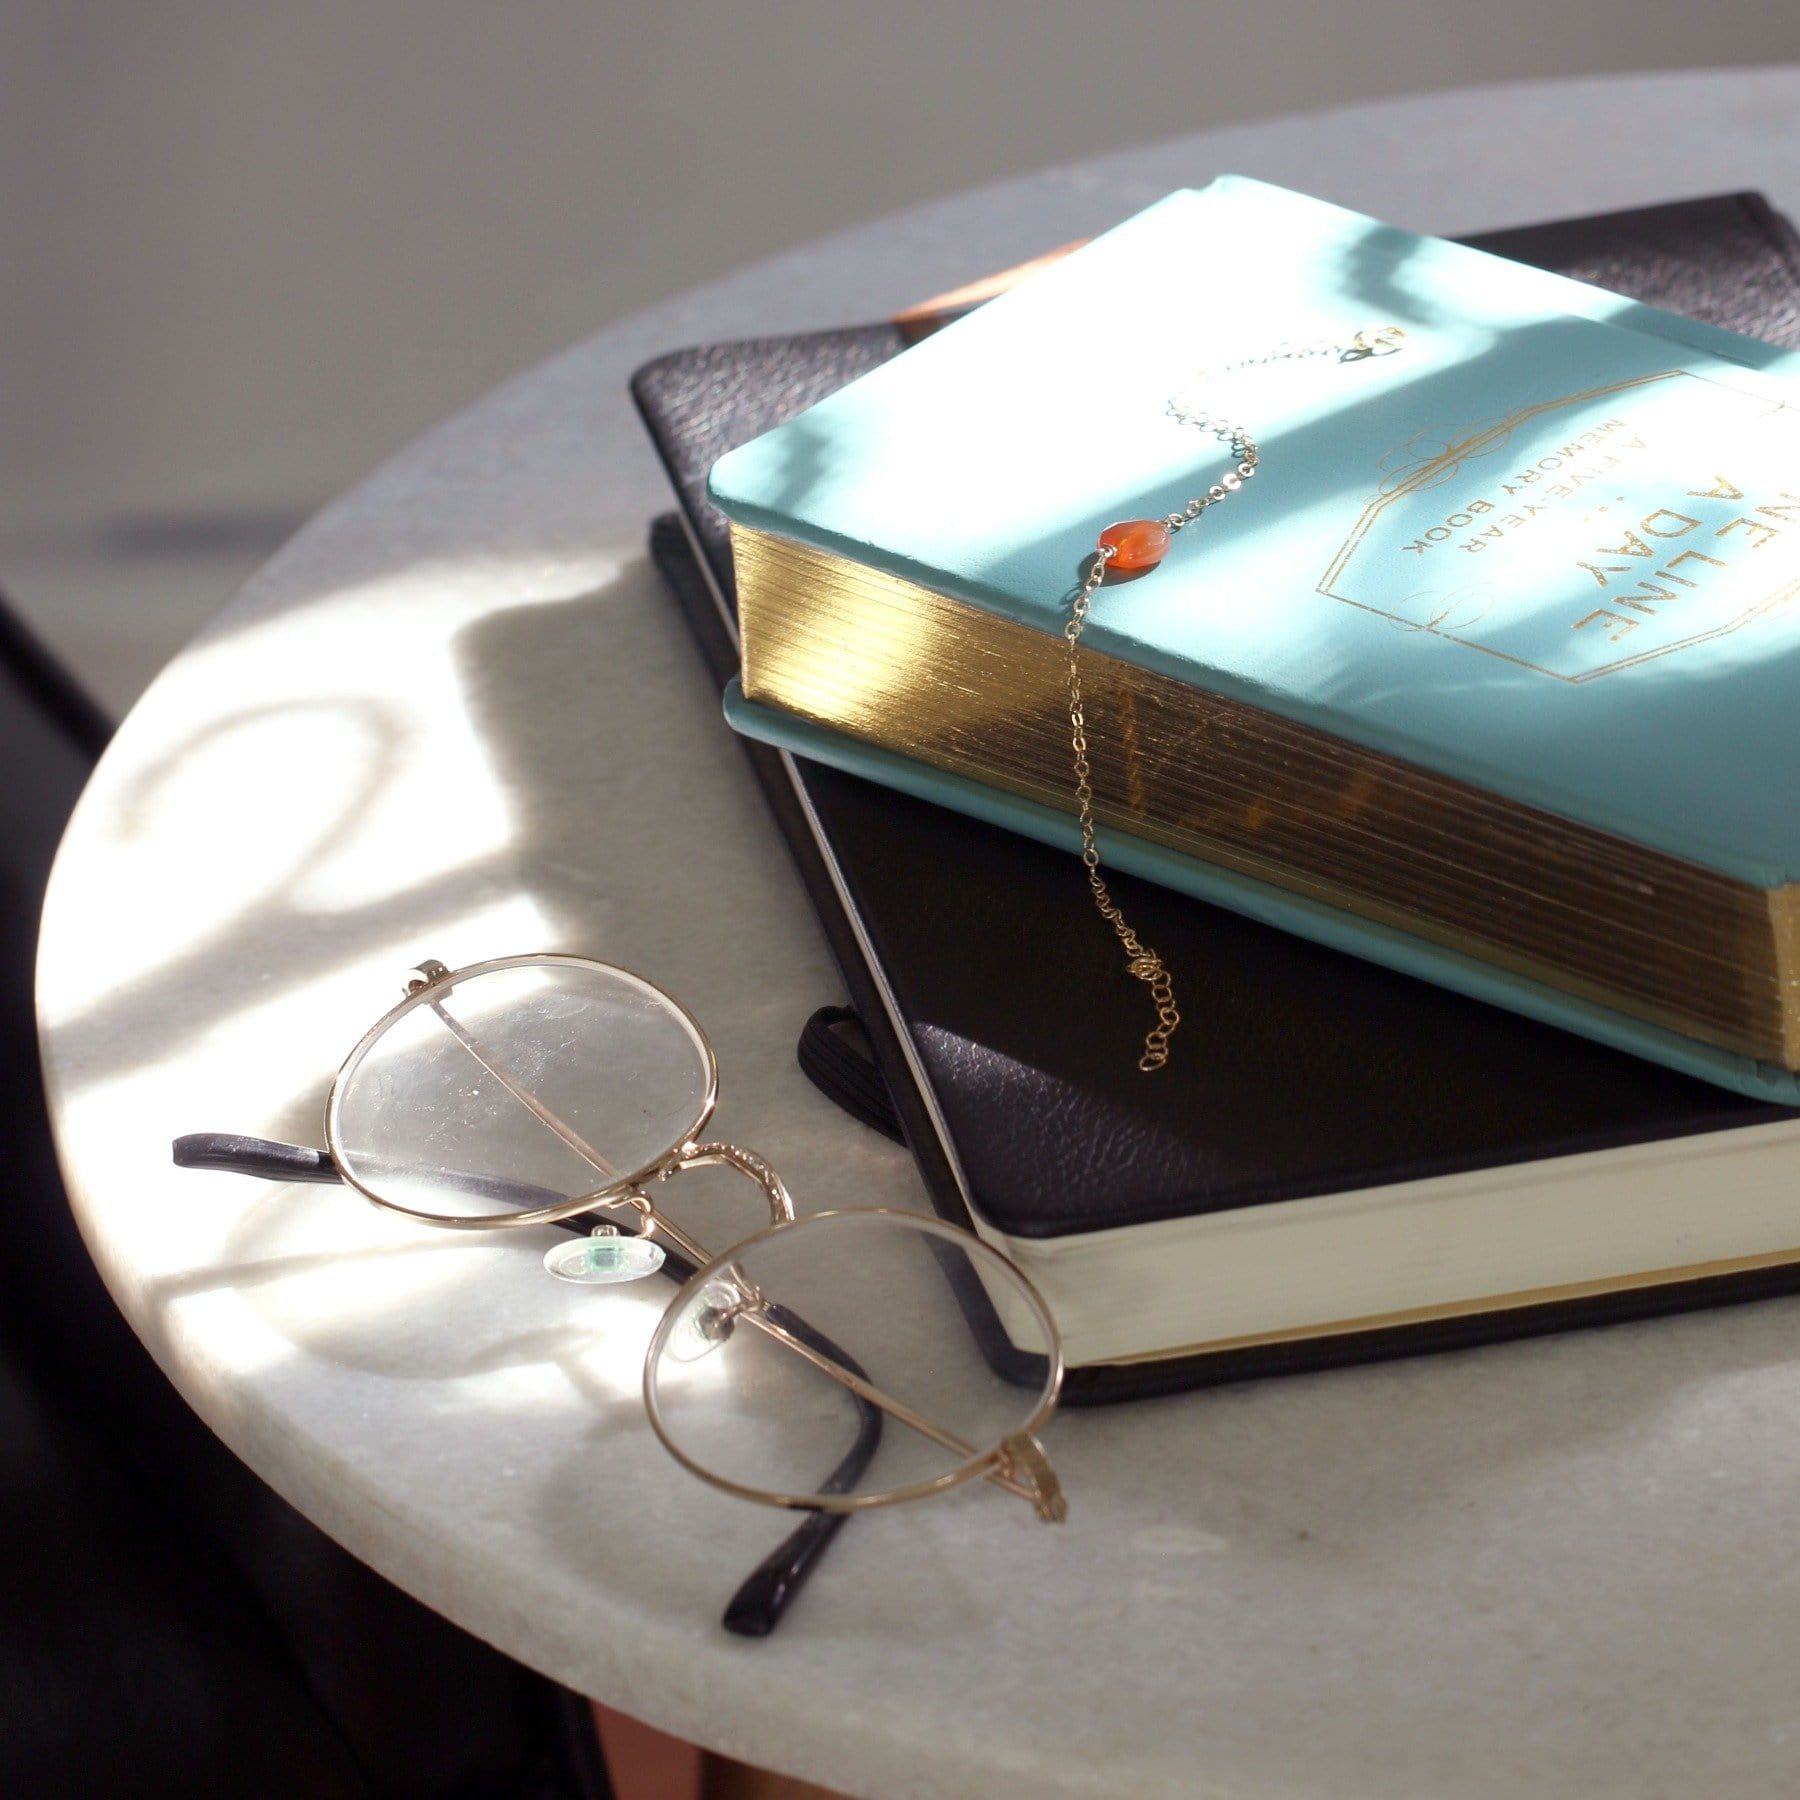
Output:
x=1483 y=680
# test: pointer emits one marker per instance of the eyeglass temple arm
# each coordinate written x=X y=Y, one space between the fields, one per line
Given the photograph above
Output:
x=757 y=1606
x=763 y=1597
x=232 y=1154
x=238 y=1155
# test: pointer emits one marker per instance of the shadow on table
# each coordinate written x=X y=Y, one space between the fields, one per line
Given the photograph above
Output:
x=1335 y=1472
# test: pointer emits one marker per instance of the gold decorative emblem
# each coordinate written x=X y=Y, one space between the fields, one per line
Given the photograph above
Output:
x=1585 y=534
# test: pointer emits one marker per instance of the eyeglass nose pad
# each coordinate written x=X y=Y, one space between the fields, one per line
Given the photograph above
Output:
x=604 y=1258
x=710 y=1319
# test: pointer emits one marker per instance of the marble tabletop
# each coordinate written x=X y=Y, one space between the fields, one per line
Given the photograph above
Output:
x=457 y=717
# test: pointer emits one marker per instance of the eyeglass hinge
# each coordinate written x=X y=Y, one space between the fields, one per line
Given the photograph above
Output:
x=424 y=975
x=1022 y=1460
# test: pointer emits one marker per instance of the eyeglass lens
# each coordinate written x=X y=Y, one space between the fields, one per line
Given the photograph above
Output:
x=520 y=1084
x=931 y=1319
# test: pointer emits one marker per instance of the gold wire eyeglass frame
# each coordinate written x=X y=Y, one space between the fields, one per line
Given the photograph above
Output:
x=1016 y=1465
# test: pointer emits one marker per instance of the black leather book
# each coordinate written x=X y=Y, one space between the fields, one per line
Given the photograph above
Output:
x=1310 y=1085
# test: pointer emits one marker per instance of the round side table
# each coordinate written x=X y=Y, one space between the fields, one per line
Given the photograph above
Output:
x=456 y=717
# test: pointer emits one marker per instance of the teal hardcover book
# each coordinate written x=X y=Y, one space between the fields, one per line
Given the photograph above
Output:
x=1489 y=674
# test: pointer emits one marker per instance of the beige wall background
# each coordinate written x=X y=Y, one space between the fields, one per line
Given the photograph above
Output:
x=249 y=247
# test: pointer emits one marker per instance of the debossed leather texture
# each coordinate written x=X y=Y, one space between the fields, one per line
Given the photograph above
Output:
x=1297 y=1070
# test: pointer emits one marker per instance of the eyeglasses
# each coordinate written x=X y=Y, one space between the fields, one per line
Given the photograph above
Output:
x=836 y=1363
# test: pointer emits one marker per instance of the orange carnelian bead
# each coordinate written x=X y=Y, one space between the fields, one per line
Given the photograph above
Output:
x=1136 y=543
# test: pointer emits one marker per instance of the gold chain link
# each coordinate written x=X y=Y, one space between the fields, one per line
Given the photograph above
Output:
x=1140 y=959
